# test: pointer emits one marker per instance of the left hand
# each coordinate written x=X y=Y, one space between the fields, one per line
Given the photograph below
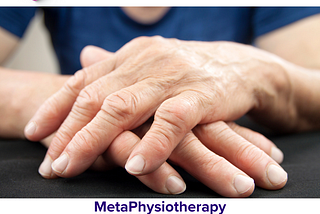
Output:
x=239 y=147
x=182 y=83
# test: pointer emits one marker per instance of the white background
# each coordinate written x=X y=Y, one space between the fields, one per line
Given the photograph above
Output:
x=233 y=206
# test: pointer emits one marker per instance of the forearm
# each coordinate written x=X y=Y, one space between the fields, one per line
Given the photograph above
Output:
x=294 y=104
x=10 y=115
x=22 y=92
x=306 y=97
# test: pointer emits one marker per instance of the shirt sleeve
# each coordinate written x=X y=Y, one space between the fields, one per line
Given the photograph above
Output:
x=16 y=19
x=267 y=19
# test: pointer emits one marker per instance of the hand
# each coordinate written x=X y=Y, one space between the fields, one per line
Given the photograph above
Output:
x=164 y=129
x=213 y=170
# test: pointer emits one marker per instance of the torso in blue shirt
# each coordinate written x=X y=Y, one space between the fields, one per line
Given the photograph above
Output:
x=111 y=28
x=72 y=29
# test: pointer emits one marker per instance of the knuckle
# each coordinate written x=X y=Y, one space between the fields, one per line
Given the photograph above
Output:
x=151 y=46
x=173 y=123
x=211 y=164
x=86 y=142
x=77 y=82
x=176 y=116
x=51 y=109
x=248 y=156
x=157 y=39
x=140 y=39
x=88 y=99
x=121 y=105
x=122 y=146
x=164 y=140
x=161 y=144
x=64 y=134
x=149 y=39
x=57 y=146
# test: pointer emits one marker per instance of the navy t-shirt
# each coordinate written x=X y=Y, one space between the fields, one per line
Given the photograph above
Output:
x=72 y=29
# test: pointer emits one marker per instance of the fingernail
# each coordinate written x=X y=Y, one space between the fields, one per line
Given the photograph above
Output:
x=243 y=183
x=60 y=164
x=30 y=129
x=276 y=175
x=175 y=185
x=45 y=167
x=135 y=165
x=276 y=154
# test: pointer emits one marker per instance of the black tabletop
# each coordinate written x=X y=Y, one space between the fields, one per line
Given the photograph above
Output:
x=20 y=159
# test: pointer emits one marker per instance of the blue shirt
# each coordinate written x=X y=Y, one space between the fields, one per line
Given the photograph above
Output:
x=72 y=29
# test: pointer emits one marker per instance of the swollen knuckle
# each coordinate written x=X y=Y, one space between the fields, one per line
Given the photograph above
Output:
x=121 y=104
x=177 y=116
x=86 y=142
x=88 y=98
x=173 y=122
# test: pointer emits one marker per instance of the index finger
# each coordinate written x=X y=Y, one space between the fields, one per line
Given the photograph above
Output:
x=52 y=113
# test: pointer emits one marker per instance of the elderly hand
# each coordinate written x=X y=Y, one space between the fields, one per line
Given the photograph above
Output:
x=181 y=83
x=196 y=156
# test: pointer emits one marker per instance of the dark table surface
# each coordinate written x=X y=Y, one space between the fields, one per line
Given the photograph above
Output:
x=20 y=159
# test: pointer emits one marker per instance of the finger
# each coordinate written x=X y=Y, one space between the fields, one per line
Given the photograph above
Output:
x=52 y=113
x=164 y=180
x=100 y=164
x=219 y=137
x=212 y=170
x=93 y=54
x=258 y=140
x=122 y=110
x=172 y=120
x=84 y=109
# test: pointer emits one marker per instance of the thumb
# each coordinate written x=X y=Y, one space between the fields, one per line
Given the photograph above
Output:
x=93 y=54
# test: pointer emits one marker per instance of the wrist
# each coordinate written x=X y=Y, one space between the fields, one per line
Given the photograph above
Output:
x=8 y=106
x=305 y=97
x=288 y=98
x=22 y=93
x=274 y=97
